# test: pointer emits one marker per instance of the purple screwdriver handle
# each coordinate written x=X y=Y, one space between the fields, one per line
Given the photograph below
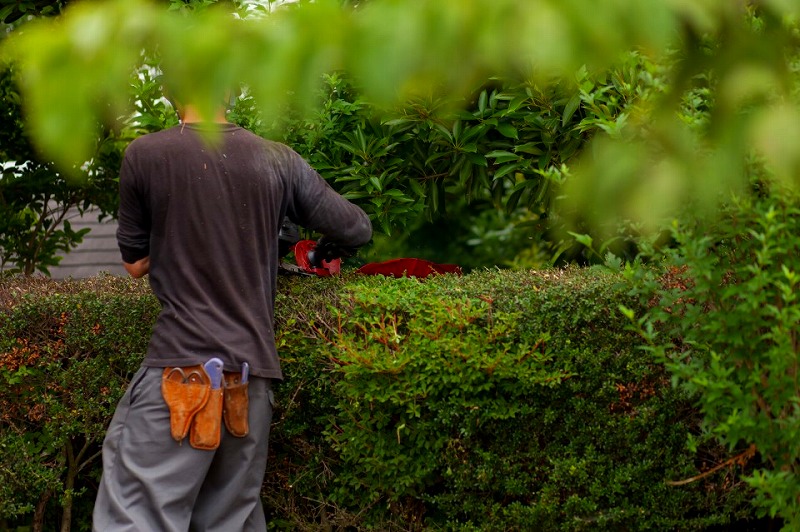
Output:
x=214 y=370
x=245 y=372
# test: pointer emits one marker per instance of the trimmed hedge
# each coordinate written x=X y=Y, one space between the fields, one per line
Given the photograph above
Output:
x=494 y=401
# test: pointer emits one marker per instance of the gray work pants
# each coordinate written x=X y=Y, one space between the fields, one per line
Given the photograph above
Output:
x=150 y=482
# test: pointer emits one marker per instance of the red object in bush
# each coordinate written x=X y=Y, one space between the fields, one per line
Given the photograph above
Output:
x=327 y=269
x=395 y=268
x=408 y=268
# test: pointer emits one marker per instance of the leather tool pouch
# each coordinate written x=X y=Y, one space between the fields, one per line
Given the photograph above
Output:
x=207 y=425
x=198 y=411
x=186 y=391
x=235 y=411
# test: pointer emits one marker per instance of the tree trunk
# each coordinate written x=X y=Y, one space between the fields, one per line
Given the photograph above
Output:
x=66 y=516
x=38 y=515
x=69 y=486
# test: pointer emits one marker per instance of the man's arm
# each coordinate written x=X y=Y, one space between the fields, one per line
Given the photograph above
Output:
x=317 y=206
x=133 y=231
x=138 y=269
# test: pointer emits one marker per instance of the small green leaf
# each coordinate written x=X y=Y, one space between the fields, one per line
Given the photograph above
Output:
x=570 y=108
x=585 y=240
x=482 y=102
x=478 y=159
x=505 y=170
x=627 y=312
x=530 y=148
x=507 y=130
x=502 y=156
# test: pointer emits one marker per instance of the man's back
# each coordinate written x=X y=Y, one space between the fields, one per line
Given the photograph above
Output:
x=210 y=214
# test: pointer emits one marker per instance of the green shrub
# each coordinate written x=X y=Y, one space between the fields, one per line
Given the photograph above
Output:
x=494 y=401
x=67 y=351
x=451 y=179
x=725 y=320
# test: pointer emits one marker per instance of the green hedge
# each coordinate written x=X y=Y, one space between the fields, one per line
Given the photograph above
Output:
x=494 y=401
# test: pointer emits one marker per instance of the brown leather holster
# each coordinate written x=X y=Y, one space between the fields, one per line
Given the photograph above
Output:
x=197 y=410
x=236 y=405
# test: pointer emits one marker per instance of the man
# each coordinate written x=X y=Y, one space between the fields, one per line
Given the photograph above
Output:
x=203 y=220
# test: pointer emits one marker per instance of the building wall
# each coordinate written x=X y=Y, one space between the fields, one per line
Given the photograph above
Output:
x=97 y=253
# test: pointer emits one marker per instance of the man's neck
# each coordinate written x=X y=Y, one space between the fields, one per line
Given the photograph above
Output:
x=191 y=116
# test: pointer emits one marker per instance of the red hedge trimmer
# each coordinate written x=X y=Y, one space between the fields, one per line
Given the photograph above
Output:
x=324 y=258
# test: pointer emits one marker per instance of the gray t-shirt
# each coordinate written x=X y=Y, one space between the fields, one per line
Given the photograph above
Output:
x=208 y=216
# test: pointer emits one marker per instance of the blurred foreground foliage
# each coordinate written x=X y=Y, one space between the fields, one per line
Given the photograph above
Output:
x=494 y=401
x=75 y=71
x=545 y=120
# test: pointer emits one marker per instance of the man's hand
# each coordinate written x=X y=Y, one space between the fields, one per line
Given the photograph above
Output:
x=138 y=269
x=328 y=251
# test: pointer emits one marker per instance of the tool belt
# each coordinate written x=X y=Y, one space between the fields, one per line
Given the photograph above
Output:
x=197 y=409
